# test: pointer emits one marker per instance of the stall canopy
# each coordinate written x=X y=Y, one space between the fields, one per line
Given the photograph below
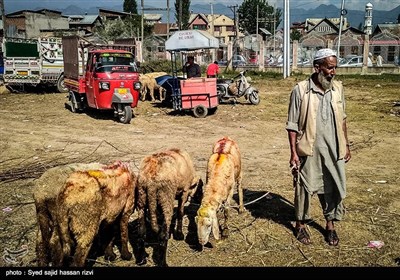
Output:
x=187 y=40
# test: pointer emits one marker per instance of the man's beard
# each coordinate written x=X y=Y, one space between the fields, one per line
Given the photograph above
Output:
x=324 y=81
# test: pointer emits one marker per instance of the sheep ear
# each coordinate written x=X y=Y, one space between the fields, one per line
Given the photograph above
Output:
x=215 y=226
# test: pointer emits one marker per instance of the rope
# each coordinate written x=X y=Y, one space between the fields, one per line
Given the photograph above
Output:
x=248 y=203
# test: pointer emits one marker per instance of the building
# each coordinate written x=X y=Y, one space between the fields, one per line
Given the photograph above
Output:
x=29 y=24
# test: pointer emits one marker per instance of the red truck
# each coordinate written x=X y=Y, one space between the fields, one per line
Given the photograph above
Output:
x=103 y=77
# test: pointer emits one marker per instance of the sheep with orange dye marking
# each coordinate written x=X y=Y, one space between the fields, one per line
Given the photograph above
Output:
x=224 y=173
x=164 y=177
x=94 y=200
x=77 y=202
x=46 y=190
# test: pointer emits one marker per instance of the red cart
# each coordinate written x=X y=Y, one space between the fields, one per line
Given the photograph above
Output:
x=196 y=94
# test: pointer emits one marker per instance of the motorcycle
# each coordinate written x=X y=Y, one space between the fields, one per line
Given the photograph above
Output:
x=232 y=89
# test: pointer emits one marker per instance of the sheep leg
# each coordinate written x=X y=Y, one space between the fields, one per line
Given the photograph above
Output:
x=162 y=93
x=143 y=93
x=125 y=254
x=181 y=209
x=109 y=233
x=42 y=236
x=56 y=248
x=225 y=229
x=163 y=243
x=141 y=257
x=152 y=93
x=240 y=192
x=83 y=248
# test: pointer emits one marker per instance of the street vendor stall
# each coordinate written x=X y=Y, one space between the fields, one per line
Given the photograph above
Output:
x=196 y=94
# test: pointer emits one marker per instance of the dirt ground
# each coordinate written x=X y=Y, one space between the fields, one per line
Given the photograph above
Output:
x=38 y=132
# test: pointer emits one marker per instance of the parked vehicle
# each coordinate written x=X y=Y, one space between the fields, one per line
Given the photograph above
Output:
x=232 y=89
x=197 y=94
x=355 y=61
x=103 y=77
x=33 y=62
x=237 y=60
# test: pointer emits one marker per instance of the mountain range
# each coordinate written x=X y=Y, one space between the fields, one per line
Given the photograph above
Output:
x=354 y=17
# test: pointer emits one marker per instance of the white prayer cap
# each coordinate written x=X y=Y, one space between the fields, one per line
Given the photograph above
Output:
x=323 y=53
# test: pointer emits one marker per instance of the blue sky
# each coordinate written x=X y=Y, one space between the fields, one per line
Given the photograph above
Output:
x=383 y=5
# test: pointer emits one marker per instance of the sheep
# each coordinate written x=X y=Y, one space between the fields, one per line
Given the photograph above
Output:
x=91 y=200
x=77 y=198
x=223 y=173
x=45 y=193
x=149 y=84
x=162 y=177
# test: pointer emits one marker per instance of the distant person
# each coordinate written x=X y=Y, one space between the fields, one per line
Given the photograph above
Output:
x=213 y=70
x=379 y=61
x=319 y=147
x=191 y=68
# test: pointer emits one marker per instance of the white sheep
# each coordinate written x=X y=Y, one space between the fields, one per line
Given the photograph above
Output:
x=163 y=177
x=149 y=84
x=224 y=173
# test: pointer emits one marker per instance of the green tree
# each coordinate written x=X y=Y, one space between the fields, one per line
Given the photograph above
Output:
x=130 y=6
x=127 y=28
x=295 y=35
x=132 y=23
x=183 y=23
x=268 y=17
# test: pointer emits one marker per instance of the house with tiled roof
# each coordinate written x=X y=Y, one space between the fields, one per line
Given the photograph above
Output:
x=385 y=41
x=85 y=22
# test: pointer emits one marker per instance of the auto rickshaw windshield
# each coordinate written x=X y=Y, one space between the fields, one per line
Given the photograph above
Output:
x=116 y=62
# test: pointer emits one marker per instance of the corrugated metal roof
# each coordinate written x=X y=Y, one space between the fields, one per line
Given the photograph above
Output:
x=265 y=31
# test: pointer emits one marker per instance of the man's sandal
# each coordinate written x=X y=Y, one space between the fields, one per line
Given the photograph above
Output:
x=303 y=236
x=332 y=237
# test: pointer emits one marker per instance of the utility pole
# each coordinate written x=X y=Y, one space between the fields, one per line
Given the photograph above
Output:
x=180 y=15
x=3 y=18
x=236 y=20
x=286 y=40
x=273 y=36
x=342 y=13
x=142 y=21
x=167 y=19
x=257 y=24
x=213 y=55
x=212 y=19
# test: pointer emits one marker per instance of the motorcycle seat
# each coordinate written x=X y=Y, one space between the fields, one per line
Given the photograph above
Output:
x=222 y=81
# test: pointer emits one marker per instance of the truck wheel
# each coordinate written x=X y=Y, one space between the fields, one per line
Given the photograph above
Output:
x=254 y=98
x=61 y=86
x=200 y=111
x=126 y=115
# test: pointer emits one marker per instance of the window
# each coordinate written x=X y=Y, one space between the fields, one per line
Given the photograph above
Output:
x=377 y=50
x=391 y=53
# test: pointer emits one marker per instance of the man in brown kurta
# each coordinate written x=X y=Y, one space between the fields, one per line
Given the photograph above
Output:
x=319 y=145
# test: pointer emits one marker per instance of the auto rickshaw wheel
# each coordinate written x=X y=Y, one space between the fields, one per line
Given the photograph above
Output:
x=200 y=111
x=126 y=115
x=73 y=102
